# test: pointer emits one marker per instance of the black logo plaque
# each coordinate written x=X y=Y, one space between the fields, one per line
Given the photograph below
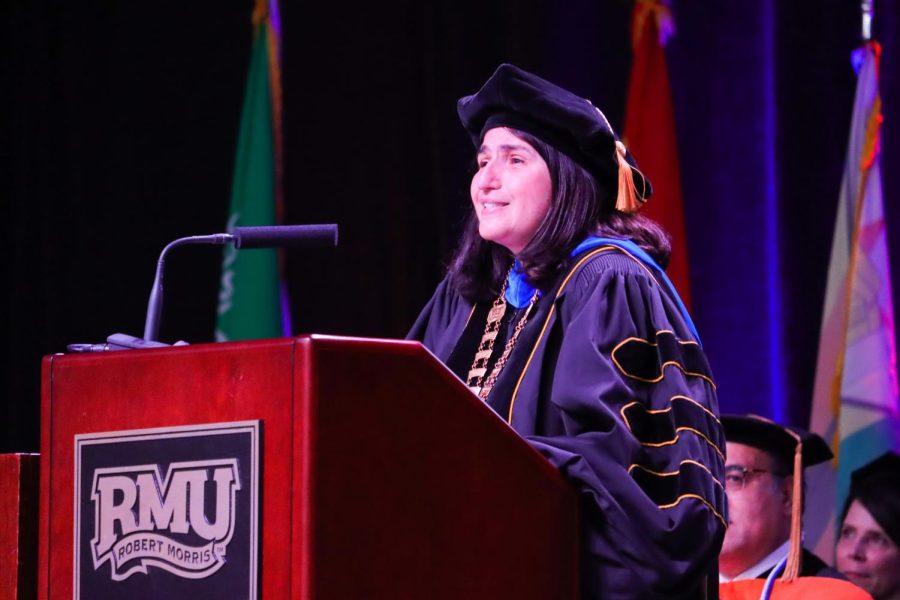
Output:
x=167 y=513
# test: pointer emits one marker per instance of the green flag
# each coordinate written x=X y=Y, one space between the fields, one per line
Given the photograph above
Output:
x=250 y=293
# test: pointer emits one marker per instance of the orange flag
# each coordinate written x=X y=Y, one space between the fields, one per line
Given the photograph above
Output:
x=650 y=131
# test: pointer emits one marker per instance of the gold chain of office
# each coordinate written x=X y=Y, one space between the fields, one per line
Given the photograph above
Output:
x=476 y=380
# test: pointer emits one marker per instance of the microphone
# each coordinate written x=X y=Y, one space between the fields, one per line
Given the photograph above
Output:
x=273 y=236
x=306 y=236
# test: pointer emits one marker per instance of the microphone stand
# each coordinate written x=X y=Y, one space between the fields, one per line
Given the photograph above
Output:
x=154 y=305
x=241 y=237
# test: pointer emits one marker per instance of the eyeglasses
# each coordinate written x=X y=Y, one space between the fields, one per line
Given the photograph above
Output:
x=736 y=477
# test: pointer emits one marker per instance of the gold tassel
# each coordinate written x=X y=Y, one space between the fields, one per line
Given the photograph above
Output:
x=792 y=568
x=627 y=198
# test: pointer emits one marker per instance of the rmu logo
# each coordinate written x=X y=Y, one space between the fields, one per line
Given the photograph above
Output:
x=181 y=523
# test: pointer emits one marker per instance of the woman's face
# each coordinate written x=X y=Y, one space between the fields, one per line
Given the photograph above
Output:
x=867 y=556
x=511 y=190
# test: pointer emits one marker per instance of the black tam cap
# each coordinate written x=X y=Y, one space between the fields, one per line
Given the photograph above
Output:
x=520 y=100
x=759 y=432
x=796 y=449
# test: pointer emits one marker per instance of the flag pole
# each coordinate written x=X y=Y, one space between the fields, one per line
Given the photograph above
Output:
x=868 y=13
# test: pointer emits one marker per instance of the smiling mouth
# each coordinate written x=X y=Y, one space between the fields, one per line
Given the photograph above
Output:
x=489 y=207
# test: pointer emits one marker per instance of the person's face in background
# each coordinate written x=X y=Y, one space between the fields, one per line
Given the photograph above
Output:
x=511 y=190
x=867 y=556
x=759 y=508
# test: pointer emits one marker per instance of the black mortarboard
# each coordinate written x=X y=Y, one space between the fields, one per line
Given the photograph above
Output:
x=796 y=449
x=515 y=98
x=877 y=487
x=776 y=439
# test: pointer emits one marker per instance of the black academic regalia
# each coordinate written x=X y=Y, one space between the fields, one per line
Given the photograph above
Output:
x=608 y=383
x=813 y=566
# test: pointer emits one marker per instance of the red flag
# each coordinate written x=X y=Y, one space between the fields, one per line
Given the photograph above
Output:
x=650 y=131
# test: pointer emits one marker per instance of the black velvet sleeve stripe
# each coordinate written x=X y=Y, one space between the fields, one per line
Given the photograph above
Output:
x=646 y=360
x=663 y=427
x=692 y=481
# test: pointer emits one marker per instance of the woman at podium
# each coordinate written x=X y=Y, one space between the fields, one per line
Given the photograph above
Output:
x=557 y=313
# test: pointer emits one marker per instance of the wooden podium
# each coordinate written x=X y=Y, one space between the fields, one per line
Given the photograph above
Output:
x=18 y=526
x=314 y=467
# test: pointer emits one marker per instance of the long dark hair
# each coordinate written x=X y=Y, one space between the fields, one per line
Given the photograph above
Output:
x=580 y=206
x=879 y=493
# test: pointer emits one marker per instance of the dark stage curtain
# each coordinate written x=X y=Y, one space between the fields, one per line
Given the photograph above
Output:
x=120 y=122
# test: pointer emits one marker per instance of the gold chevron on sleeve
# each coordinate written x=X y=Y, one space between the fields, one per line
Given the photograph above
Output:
x=646 y=360
x=656 y=428
x=668 y=489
